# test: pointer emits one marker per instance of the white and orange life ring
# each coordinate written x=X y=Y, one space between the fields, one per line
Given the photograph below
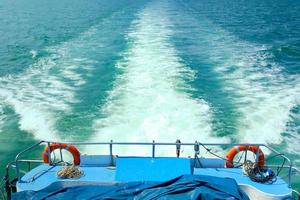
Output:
x=235 y=150
x=69 y=147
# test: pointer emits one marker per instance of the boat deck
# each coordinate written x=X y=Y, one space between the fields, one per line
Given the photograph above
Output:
x=128 y=169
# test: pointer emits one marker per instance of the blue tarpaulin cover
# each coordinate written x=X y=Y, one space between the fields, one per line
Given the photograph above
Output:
x=183 y=187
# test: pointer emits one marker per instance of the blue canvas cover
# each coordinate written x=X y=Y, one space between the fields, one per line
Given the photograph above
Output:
x=183 y=187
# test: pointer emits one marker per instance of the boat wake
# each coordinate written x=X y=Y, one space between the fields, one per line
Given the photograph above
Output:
x=151 y=98
x=263 y=93
x=2 y=117
x=46 y=89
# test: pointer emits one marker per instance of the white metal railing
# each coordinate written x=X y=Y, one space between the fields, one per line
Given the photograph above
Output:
x=177 y=144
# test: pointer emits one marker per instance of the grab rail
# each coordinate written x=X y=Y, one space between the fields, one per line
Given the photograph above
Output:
x=153 y=144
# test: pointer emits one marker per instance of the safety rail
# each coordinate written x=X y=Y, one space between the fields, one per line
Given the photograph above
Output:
x=9 y=185
x=16 y=164
x=297 y=192
x=177 y=144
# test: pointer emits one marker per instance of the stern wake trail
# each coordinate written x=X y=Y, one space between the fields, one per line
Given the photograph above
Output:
x=35 y=96
x=47 y=88
x=52 y=95
x=151 y=99
x=2 y=117
x=263 y=93
x=292 y=134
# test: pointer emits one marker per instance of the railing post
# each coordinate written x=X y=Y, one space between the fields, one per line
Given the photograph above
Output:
x=61 y=156
x=246 y=154
x=17 y=170
x=153 y=149
x=290 y=174
x=178 y=148
x=196 y=148
x=111 y=148
x=7 y=181
x=111 y=152
x=257 y=154
x=17 y=166
x=49 y=153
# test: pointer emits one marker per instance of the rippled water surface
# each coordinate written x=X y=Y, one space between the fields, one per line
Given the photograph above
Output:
x=212 y=71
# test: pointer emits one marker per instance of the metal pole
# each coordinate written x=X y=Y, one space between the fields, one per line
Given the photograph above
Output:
x=178 y=142
x=290 y=175
x=19 y=155
x=7 y=181
x=196 y=149
x=246 y=152
x=18 y=171
x=61 y=156
x=153 y=149
x=257 y=154
x=111 y=152
x=49 y=153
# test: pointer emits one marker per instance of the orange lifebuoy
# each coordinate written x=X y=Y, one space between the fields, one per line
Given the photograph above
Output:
x=235 y=150
x=69 y=147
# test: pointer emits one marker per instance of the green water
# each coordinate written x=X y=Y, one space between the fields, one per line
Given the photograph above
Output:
x=212 y=71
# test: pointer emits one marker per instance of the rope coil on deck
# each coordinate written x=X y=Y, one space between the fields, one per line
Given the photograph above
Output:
x=257 y=174
x=68 y=172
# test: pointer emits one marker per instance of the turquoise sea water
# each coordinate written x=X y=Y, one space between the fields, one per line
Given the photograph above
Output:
x=210 y=70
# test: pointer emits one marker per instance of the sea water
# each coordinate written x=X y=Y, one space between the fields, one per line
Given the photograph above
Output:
x=211 y=71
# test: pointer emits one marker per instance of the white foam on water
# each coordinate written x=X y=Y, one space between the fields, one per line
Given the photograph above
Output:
x=33 y=53
x=74 y=55
x=2 y=117
x=292 y=136
x=260 y=90
x=47 y=88
x=151 y=99
x=263 y=95
x=33 y=119
x=35 y=96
